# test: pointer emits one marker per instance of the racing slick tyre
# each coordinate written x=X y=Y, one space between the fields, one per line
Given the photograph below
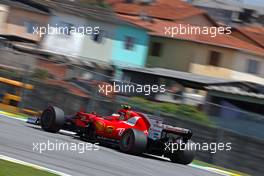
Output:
x=133 y=142
x=185 y=156
x=52 y=119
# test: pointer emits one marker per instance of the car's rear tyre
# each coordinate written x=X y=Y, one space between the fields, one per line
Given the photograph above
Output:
x=183 y=156
x=52 y=119
x=133 y=142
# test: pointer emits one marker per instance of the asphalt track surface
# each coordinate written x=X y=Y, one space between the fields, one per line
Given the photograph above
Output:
x=17 y=138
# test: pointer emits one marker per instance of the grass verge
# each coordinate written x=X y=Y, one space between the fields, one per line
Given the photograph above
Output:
x=16 y=115
x=14 y=169
x=203 y=164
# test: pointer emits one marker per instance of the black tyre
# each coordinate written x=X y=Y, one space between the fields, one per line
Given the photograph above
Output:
x=90 y=132
x=183 y=156
x=133 y=142
x=52 y=119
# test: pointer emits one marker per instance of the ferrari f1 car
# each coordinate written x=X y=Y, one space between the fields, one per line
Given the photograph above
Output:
x=132 y=132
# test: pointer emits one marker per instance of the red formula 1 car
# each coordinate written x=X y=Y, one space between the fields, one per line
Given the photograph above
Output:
x=131 y=131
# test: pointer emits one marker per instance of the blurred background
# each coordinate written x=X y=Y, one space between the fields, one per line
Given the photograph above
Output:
x=214 y=86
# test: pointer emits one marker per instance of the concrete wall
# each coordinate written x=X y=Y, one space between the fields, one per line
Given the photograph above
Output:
x=194 y=57
x=175 y=54
x=221 y=72
x=202 y=55
x=110 y=49
x=178 y=54
x=18 y=60
x=15 y=22
x=99 y=50
x=233 y=66
x=62 y=43
x=3 y=16
x=241 y=62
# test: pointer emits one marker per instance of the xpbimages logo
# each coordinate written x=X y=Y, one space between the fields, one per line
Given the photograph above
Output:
x=130 y=88
x=187 y=29
x=212 y=147
x=79 y=147
x=65 y=29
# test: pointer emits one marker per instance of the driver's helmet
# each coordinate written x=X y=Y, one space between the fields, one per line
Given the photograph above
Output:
x=124 y=112
x=126 y=107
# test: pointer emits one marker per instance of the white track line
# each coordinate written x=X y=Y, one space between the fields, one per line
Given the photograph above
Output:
x=215 y=170
x=6 y=158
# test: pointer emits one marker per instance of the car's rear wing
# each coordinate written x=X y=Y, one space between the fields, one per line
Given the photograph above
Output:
x=157 y=127
x=185 y=133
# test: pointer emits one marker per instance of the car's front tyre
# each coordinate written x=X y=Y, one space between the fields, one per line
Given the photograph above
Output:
x=52 y=119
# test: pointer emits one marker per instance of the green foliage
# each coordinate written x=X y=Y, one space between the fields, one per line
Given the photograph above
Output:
x=177 y=110
x=13 y=169
x=9 y=74
x=99 y=3
x=103 y=5
x=40 y=74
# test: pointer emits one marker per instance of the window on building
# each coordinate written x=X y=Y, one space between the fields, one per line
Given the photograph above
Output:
x=214 y=58
x=129 y=42
x=98 y=37
x=156 y=49
x=253 y=66
x=30 y=25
